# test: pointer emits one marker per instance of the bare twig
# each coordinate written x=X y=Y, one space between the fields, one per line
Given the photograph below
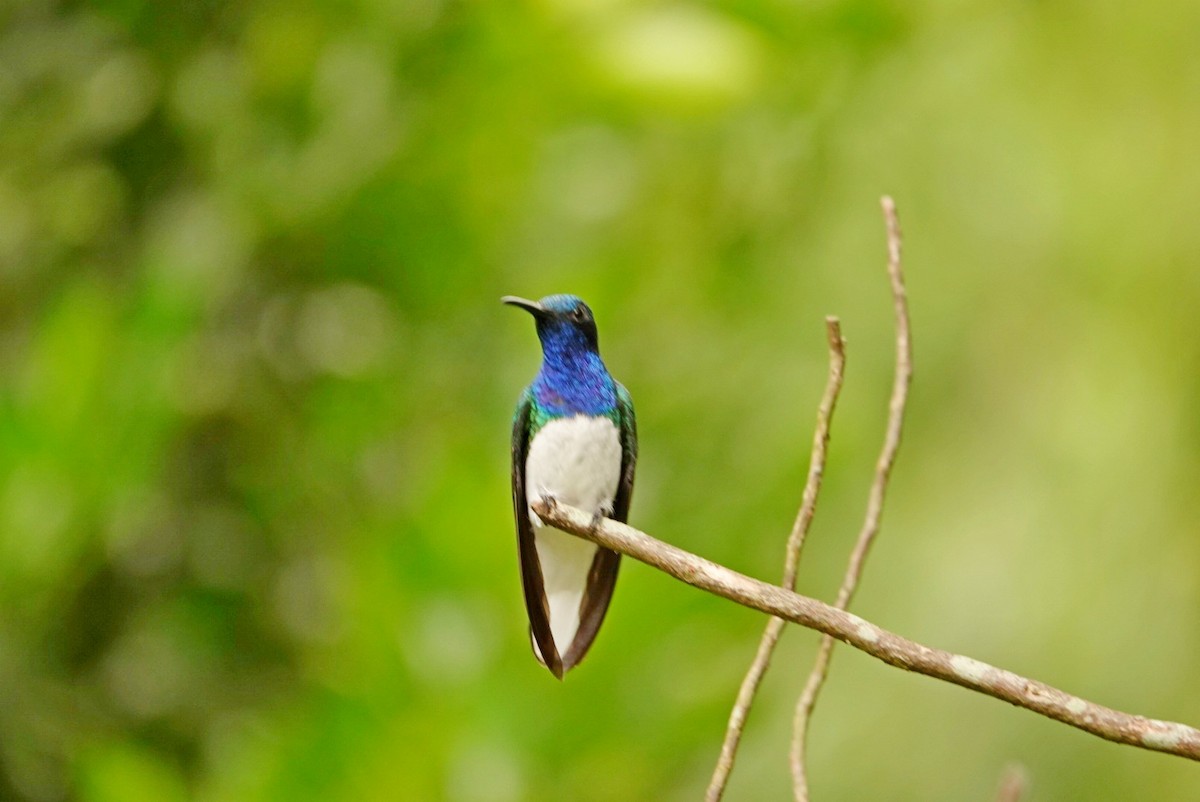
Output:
x=1113 y=725
x=808 y=506
x=1013 y=784
x=870 y=528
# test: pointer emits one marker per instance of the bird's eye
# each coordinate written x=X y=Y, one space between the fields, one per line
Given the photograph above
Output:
x=577 y=314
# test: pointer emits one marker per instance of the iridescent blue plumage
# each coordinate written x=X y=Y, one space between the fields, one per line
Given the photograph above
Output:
x=573 y=379
x=573 y=383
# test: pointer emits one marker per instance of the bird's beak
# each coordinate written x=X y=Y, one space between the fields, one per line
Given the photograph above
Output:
x=532 y=307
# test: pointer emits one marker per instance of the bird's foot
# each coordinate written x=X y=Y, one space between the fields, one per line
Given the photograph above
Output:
x=544 y=498
x=597 y=517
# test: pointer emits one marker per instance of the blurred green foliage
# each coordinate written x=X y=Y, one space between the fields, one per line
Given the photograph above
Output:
x=255 y=538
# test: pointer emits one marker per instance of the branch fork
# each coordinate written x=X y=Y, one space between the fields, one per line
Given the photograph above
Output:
x=834 y=621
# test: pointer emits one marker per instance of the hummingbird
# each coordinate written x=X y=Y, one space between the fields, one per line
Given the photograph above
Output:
x=574 y=440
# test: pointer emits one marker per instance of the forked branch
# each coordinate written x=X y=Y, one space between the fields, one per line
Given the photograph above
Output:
x=834 y=621
x=874 y=515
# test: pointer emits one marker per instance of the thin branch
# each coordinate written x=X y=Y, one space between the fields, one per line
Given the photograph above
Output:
x=808 y=506
x=1013 y=784
x=870 y=528
x=1113 y=725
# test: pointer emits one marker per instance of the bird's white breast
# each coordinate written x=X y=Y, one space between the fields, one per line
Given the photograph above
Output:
x=577 y=460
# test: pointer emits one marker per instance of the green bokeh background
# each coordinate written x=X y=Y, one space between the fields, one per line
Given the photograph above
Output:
x=255 y=537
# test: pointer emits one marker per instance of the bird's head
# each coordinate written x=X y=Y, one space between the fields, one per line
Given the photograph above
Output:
x=563 y=321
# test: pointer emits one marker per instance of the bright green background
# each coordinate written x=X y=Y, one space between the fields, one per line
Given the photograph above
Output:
x=255 y=537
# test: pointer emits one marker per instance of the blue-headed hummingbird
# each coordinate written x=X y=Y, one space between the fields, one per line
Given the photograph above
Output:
x=574 y=440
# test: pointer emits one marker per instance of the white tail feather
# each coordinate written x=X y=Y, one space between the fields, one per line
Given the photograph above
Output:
x=565 y=560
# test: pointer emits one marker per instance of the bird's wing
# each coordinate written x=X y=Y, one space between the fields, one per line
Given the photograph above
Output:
x=531 y=569
x=629 y=450
x=602 y=577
